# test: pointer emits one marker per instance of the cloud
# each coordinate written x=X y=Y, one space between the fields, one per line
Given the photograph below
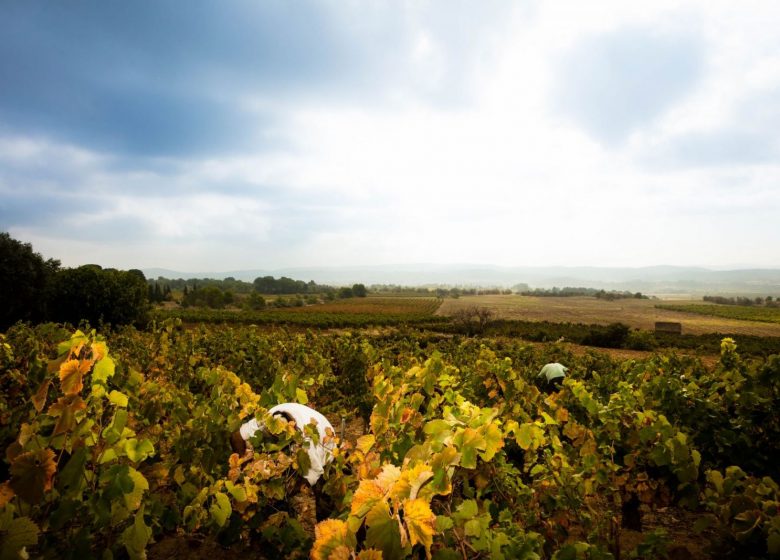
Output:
x=614 y=83
x=260 y=135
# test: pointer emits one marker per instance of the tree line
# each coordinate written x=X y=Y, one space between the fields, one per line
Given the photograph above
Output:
x=592 y=292
x=767 y=301
x=36 y=290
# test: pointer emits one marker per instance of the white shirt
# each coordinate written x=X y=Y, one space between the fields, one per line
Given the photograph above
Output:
x=320 y=454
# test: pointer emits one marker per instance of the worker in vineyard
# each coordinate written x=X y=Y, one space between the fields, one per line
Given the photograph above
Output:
x=551 y=376
x=320 y=454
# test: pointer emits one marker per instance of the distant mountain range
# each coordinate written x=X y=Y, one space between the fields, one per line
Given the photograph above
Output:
x=649 y=280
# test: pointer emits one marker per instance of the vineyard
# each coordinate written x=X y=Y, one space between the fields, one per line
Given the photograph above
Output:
x=741 y=312
x=354 y=313
x=117 y=444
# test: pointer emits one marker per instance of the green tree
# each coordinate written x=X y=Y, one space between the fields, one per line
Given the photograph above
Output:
x=24 y=279
x=359 y=290
x=99 y=296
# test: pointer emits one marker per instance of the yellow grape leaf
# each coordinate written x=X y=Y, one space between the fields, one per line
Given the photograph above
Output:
x=494 y=440
x=387 y=478
x=71 y=377
x=410 y=482
x=341 y=552
x=365 y=443
x=420 y=522
x=368 y=493
x=32 y=473
x=65 y=410
x=329 y=536
x=369 y=554
x=39 y=398
x=99 y=351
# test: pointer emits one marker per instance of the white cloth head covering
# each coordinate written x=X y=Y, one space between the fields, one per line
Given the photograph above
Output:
x=320 y=454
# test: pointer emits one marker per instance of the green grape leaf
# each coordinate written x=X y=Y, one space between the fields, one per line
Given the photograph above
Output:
x=116 y=482
x=117 y=398
x=19 y=533
x=71 y=477
x=443 y=523
x=104 y=369
x=138 y=451
x=220 y=509
x=136 y=537
x=140 y=485
x=773 y=544
x=114 y=430
x=238 y=492
x=529 y=436
x=469 y=442
x=384 y=533
x=108 y=456
x=465 y=511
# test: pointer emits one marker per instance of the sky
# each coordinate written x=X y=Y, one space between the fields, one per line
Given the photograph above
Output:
x=234 y=135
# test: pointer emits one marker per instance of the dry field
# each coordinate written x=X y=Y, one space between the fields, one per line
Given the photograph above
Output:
x=638 y=313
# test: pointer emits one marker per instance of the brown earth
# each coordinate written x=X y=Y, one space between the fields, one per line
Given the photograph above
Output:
x=637 y=313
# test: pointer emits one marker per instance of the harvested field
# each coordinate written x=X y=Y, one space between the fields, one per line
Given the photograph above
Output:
x=637 y=313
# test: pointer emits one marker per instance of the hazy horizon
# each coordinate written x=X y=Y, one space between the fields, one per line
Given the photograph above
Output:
x=245 y=135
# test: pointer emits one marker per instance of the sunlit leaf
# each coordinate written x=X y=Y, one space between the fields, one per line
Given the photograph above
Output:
x=103 y=370
x=220 y=509
x=366 y=496
x=117 y=398
x=469 y=442
x=136 y=537
x=32 y=473
x=410 y=481
x=329 y=536
x=494 y=440
x=71 y=375
x=365 y=443
x=420 y=522
x=140 y=485
x=388 y=476
x=138 y=451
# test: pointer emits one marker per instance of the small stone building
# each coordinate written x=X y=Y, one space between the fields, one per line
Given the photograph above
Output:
x=668 y=327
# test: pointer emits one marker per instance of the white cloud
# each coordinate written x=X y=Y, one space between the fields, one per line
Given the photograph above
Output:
x=501 y=175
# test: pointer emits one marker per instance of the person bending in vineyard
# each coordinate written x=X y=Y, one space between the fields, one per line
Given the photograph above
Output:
x=320 y=454
x=552 y=376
